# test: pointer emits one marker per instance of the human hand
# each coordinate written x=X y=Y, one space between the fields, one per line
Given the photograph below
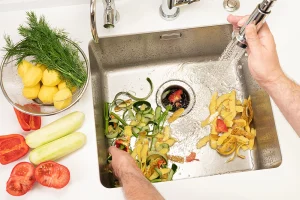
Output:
x=122 y=163
x=262 y=55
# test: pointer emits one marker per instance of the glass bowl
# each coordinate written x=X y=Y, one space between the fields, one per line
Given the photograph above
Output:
x=12 y=87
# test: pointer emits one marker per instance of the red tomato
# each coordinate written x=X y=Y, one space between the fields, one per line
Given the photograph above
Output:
x=12 y=147
x=120 y=144
x=29 y=122
x=191 y=157
x=21 y=179
x=160 y=163
x=176 y=96
x=221 y=126
x=52 y=174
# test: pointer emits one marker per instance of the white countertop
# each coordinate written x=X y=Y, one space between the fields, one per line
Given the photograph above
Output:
x=142 y=16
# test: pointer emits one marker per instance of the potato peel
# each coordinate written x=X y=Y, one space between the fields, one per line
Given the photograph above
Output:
x=237 y=116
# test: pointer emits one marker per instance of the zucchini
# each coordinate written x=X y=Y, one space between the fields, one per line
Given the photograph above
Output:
x=152 y=155
x=142 y=106
x=149 y=116
x=156 y=180
x=135 y=130
x=172 y=172
x=58 y=148
x=164 y=171
x=55 y=130
x=162 y=146
x=164 y=151
x=154 y=140
x=112 y=135
x=154 y=175
x=158 y=171
x=157 y=113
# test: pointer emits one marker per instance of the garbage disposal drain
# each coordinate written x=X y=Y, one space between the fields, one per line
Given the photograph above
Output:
x=176 y=93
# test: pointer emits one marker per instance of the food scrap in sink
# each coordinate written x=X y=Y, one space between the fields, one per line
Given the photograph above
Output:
x=144 y=132
x=230 y=122
x=175 y=96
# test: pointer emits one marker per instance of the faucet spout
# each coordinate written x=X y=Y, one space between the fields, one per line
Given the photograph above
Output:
x=258 y=17
x=177 y=3
x=111 y=15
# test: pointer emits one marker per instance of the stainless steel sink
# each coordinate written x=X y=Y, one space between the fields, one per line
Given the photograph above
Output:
x=184 y=57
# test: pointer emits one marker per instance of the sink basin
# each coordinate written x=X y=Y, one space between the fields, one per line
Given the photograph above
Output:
x=186 y=58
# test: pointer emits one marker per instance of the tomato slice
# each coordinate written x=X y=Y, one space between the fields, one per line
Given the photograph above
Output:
x=176 y=96
x=21 y=179
x=160 y=163
x=221 y=126
x=12 y=148
x=120 y=144
x=52 y=174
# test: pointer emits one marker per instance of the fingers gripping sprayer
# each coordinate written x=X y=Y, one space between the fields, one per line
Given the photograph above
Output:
x=257 y=17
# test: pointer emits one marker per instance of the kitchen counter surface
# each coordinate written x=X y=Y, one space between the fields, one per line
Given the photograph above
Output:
x=142 y=16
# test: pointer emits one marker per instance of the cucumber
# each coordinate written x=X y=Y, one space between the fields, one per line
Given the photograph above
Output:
x=172 y=172
x=58 y=148
x=57 y=129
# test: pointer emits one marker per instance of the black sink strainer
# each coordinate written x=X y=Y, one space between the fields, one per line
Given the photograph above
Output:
x=176 y=93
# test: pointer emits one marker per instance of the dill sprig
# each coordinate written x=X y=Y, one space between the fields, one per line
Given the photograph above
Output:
x=49 y=47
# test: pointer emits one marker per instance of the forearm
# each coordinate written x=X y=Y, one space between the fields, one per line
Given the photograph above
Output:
x=286 y=95
x=137 y=187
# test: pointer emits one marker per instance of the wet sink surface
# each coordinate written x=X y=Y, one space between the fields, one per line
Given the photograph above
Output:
x=186 y=58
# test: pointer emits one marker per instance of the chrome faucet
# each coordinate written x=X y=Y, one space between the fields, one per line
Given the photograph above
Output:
x=169 y=9
x=111 y=16
x=258 y=17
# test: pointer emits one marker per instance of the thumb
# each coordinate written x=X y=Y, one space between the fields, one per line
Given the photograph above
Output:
x=252 y=38
x=113 y=150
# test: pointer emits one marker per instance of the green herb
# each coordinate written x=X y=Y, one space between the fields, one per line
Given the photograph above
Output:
x=50 y=47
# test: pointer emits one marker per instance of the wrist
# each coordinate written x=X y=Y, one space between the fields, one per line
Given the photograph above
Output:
x=273 y=86
x=274 y=79
x=129 y=173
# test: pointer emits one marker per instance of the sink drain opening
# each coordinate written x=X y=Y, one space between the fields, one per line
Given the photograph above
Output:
x=176 y=93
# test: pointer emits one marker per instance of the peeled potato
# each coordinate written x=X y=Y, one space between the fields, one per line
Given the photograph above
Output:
x=63 y=85
x=31 y=92
x=47 y=93
x=62 y=98
x=50 y=78
x=32 y=76
x=23 y=68
x=42 y=67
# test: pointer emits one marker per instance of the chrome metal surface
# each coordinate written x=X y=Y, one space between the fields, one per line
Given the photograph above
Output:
x=111 y=16
x=169 y=14
x=169 y=9
x=122 y=64
x=93 y=20
x=231 y=5
x=257 y=17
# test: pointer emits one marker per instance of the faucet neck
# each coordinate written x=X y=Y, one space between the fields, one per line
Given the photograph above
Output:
x=266 y=5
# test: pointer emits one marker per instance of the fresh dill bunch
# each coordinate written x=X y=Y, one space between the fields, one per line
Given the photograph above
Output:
x=49 y=47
